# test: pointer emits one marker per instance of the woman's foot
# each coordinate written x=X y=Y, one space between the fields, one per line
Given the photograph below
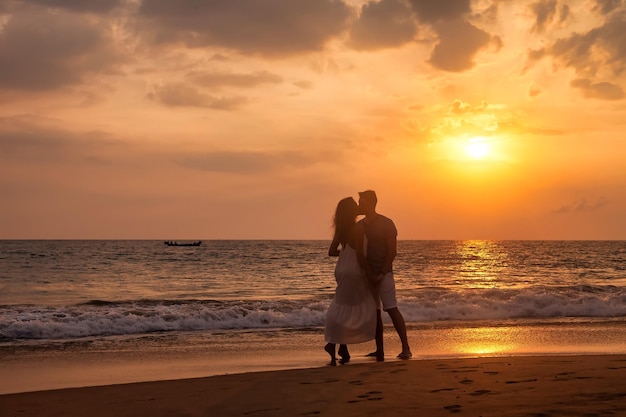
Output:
x=345 y=355
x=330 y=348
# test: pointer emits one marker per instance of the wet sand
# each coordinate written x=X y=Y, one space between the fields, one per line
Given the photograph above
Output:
x=174 y=356
x=507 y=386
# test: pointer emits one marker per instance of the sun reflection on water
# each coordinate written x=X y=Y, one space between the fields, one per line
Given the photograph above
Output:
x=481 y=262
x=485 y=341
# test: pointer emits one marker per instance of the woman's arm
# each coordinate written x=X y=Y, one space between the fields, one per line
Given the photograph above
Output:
x=334 y=247
x=359 y=240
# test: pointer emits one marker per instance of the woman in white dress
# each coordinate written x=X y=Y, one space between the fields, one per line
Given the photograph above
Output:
x=351 y=317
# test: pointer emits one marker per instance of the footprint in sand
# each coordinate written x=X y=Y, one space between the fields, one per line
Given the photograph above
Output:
x=522 y=381
x=357 y=382
x=442 y=389
x=367 y=397
x=454 y=408
x=480 y=392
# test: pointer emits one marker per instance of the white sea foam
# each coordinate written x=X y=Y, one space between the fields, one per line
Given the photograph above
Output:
x=129 y=318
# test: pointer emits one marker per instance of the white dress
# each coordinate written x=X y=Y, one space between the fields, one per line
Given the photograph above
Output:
x=351 y=317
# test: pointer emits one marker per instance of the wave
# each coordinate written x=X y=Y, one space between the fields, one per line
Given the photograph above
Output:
x=107 y=318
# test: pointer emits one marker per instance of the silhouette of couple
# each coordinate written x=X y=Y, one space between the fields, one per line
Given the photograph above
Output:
x=365 y=283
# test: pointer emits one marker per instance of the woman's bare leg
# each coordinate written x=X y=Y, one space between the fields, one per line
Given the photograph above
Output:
x=330 y=348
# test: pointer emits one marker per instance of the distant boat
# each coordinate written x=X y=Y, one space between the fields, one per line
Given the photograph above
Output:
x=173 y=243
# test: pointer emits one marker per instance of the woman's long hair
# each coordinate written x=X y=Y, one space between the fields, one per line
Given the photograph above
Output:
x=344 y=220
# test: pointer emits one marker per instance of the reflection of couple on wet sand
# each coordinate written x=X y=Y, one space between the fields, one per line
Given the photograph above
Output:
x=365 y=282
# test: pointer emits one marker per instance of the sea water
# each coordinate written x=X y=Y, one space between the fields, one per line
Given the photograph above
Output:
x=80 y=313
x=69 y=289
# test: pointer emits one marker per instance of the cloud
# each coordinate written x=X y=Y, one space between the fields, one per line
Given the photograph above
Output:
x=459 y=42
x=607 y=6
x=533 y=91
x=184 y=95
x=460 y=107
x=544 y=11
x=464 y=119
x=582 y=205
x=226 y=79
x=270 y=27
x=602 y=48
x=96 y=6
x=304 y=84
x=429 y=11
x=246 y=162
x=30 y=140
x=602 y=90
x=41 y=50
x=384 y=24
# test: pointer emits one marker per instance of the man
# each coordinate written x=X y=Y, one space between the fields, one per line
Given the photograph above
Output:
x=381 y=234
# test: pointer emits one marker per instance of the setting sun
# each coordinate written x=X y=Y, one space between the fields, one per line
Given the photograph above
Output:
x=477 y=148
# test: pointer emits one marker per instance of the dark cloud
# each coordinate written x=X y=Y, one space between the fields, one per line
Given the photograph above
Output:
x=582 y=205
x=432 y=11
x=96 y=6
x=184 y=95
x=544 y=11
x=40 y=50
x=384 y=24
x=607 y=6
x=603 y=48
x=565 y=13
x=602 y=90
x=246 y=162
x=490 y=14
x=226 y=79
x=269 y=27
x=29 y=140
x=459 y=41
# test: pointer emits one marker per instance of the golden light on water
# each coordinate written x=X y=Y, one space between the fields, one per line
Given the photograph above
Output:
x=485 y=341
x=481 y=261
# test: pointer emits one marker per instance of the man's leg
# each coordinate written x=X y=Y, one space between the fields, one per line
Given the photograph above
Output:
x=380 y=348
x=400 y=326
x=379 y=353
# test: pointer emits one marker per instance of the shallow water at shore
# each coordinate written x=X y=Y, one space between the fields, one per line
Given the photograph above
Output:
x=164 y=356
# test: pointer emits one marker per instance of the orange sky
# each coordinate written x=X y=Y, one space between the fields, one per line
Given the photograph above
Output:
x=248 y=119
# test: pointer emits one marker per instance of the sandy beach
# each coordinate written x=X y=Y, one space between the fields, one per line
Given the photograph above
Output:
x=489 y=386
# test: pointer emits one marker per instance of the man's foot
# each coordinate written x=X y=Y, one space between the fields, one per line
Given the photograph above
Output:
x=405 y=355
x=380 y=356
x=345 y=355
x=330 y=348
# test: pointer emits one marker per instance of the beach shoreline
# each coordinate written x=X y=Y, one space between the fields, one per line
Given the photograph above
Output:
x=483 y=386
x=175 y=356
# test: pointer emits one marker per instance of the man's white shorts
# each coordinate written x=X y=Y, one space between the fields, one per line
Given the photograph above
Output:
x=387 y=292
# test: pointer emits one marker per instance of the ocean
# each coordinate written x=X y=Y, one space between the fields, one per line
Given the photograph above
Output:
x=51 y=290
x=141 y=310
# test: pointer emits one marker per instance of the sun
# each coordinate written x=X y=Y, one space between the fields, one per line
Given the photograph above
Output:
x=477 y=148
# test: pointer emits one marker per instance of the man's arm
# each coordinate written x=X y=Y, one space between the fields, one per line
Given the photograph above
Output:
x=392 y=250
